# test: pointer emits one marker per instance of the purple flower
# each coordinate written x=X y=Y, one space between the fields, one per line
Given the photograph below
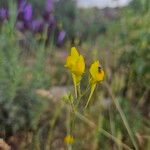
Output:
x=3 y=14
x=61 y=37
x=24 y=11
x=21 y=4
x=37 y=25
x=49 y=6
x=28 y=12
x=48 y=17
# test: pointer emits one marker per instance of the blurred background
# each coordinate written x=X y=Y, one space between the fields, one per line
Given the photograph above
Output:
x=35 y=39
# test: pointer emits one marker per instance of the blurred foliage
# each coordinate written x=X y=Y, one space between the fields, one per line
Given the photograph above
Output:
x=75 y=20
x=20 y=107
x=91 y=28
x=123 y=45
x=136 y=55
x=65 y=11
x=140 y=6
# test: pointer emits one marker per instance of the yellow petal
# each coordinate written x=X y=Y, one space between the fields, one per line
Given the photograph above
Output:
x=75 y=63
x=80 y=66
x=96 y=73
x=69 y=62
x=100 y=76
x=74 y=53
x=69 y=139
x=94 y=69
x=82 y=63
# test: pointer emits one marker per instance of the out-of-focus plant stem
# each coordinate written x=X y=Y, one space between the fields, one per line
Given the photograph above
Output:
x=123 y=117
x=79 y=90
x=112 y=126
x=107 y=134
x=84 y=92
x=91 y=93
x=69 y=146
x=75 y=85
x=52 y=124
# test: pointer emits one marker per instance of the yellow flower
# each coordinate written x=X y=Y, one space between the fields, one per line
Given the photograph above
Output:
x=75 y=62
x=69 y=139
x=97 y=73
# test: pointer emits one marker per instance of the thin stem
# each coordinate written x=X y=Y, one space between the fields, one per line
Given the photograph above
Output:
x=91 y=93
x=69 y=146
x=36 y=141
x=79 y=90
x=85 y=91
x=75 y=88
x=122 y=116
x=107 y=134
x=112 y=128
x=52 y=124
x=81 y=95
x=75 y=85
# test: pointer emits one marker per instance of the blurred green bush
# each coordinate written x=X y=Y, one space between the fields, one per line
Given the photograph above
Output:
x=20 y=107
x=136 y=56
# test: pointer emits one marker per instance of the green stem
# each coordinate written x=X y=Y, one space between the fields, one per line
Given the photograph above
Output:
x=75 y=85
x=111 y=124
x=69 y=147
x=123 y=117
x=52 y=125
x=91 y=93
x=107 y=134
x=79 y=90
x=86 y=90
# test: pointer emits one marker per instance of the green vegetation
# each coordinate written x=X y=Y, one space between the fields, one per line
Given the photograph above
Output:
x=36 y=90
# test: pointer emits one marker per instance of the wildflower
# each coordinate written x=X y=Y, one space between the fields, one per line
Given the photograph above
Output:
x=49 y=6
x=37 y=26
x=3 y=14
x=75 y=63
x=69 y=139
x=61 y=36
x=28 y=12
x=21 y=3
x=25 y=11
x=97 y=75
x=48 y=12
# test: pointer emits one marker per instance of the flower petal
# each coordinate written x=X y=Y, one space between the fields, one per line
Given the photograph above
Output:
x=74 y=53
x=94 y=69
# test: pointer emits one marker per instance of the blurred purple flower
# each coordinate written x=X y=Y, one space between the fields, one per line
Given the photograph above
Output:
x=21 y=4
x=48 y=16
x=61 y=37
x=37 y=25
x=49 y=6
x=3 y=14
x=24 y=11
x=28 y=12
